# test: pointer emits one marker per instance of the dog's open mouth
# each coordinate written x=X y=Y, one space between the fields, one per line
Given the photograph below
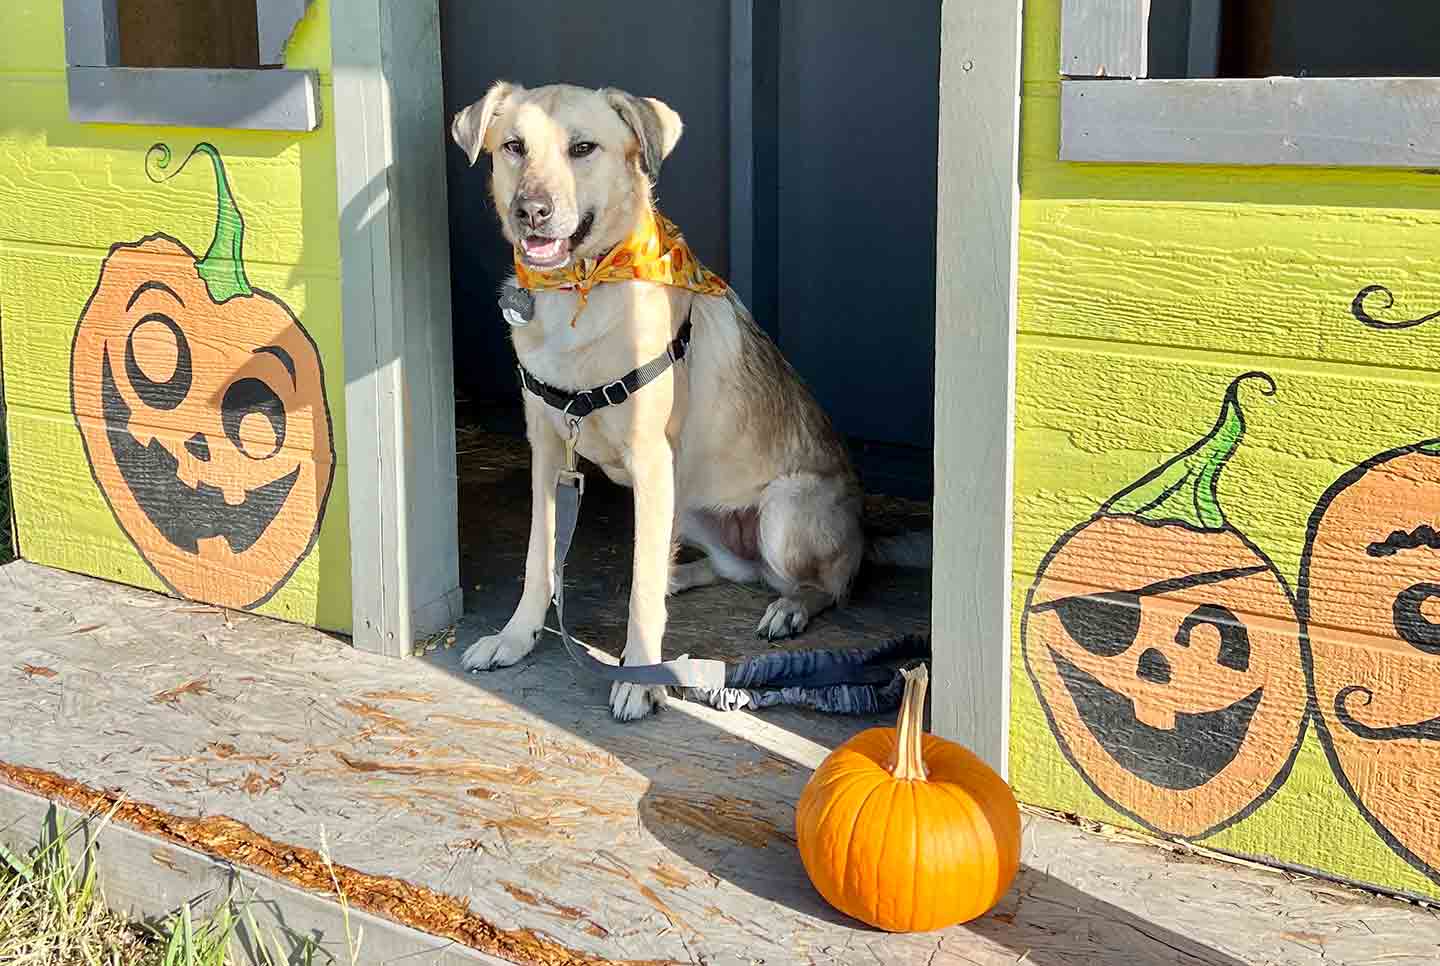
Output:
x=540 y=251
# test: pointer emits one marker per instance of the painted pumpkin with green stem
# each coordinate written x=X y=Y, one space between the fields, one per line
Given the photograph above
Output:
x=1165 y=648
x=201 y=403
x=906 y=831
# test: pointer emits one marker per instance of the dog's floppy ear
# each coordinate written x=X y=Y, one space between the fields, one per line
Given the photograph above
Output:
x=472 y=124
x=655 y=125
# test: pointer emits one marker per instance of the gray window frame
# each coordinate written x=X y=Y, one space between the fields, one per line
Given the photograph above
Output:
x=1110 y=111
x=102 y=91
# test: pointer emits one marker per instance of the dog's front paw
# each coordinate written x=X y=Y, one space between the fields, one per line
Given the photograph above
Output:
x=498 y=650
x=631 y=702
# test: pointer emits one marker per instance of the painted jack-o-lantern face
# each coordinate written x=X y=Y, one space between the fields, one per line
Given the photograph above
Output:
x=201 y=402
x=1370 y=593
x=1165 y=650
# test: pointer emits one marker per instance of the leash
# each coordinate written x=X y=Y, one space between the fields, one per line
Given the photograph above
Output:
x=849 y=681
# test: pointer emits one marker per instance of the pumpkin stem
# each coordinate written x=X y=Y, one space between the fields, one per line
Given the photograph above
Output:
x=909 y=730
x=222 y=267
x=1185 y=488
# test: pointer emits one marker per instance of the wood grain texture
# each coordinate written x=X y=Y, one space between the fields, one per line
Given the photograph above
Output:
x=1104 y=38
x=974 y=332
x=68 y=193
x=1145 y=289
x=515 y=791
x=147 y=879
x=55 y=169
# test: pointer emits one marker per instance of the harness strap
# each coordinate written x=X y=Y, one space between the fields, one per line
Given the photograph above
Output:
x=578 y=405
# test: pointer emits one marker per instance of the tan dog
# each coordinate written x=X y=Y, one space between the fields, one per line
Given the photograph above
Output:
x=727 y=451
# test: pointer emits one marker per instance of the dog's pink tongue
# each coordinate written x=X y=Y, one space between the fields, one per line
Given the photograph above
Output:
x=542 y=248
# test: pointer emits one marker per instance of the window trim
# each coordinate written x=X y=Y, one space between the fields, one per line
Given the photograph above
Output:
x=1110 y=112
x=103 y=91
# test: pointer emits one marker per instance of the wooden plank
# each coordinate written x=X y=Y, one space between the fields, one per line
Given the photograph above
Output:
x=1313 y=121
x=742 y=149
x=516 y=793
x=147 y=879
x=1104 y=38
x=974 y=332
x=1280 y=282
x=257 y=100
x=399 y=395
x=92 y=33
x=281 y=184
x=275 y=21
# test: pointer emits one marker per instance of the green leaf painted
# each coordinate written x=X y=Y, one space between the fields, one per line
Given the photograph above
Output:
x=223 y=264
x=1185 y=489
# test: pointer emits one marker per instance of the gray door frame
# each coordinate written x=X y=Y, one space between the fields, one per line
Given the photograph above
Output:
x=399 y=366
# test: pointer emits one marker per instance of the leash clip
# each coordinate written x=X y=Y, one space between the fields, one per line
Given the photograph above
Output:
x=571 y=442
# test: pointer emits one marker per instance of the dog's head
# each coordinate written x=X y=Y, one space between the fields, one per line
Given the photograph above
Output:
x=573 y=168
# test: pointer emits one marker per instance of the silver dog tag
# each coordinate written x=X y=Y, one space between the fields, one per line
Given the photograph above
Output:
x=517 y=305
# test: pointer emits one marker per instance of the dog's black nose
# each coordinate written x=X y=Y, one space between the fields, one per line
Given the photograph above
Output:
x=533 y=210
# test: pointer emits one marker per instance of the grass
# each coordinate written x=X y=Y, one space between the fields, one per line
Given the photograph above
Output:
x=53 y=913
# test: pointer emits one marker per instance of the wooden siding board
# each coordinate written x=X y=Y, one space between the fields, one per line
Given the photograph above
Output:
x=1313 y=121
x=1104 y=38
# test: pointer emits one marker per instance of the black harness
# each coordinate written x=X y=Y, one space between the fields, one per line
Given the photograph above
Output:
x=578 y=405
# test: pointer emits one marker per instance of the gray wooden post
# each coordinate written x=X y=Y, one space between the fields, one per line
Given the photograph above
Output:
x=395 y=296
x=974 y=366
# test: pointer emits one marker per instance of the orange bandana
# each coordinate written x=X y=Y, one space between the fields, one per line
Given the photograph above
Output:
x=656 y=252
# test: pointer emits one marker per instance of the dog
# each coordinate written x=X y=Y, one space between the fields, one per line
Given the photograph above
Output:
x=727 y=451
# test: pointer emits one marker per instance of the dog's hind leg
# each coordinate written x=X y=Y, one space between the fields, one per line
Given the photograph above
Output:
x=811 y=542
x=714 y=531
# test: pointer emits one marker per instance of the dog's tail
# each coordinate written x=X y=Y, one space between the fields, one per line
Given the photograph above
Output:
x=909 y=550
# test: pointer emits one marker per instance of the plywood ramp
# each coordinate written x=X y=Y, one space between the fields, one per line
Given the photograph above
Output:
x=509 y=813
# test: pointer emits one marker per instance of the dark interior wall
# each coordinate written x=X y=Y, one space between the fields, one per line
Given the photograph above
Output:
x=858 y=135
x=681 y=58
x=1331 y=38
x=193 y=33
x=1341 y=38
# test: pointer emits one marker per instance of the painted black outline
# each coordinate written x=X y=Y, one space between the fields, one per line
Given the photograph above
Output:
x=1351 y=476
x=324 y=401
x=1281 y=777
x=1231 y=397
x=1357 y=309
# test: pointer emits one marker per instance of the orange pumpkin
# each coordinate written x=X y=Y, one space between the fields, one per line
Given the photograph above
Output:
x=1370 y=596
x=906 y=831
x=1164 y=647
x=201 y=404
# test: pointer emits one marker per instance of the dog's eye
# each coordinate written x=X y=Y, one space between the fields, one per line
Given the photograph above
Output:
x=515 y=146
x=582 y=148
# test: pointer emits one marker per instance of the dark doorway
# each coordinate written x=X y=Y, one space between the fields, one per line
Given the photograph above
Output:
x=843 y=119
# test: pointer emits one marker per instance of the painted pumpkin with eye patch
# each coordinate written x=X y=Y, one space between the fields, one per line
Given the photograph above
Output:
x=1370 y=595
x=1165 y=649
x=201 y=404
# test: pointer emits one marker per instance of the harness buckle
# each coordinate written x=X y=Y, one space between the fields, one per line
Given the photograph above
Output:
x=617 y=384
